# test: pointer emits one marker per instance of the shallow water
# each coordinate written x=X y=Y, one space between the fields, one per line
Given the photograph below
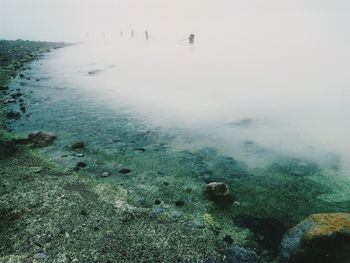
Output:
x=170 y=114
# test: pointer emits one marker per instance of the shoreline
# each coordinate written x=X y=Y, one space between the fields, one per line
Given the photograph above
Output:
x=60 y=212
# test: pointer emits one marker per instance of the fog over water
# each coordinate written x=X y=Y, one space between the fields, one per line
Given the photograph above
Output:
x=272 y=72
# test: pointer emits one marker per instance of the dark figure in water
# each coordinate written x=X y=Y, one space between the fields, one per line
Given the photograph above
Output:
x=146 y=35
x=191 y=39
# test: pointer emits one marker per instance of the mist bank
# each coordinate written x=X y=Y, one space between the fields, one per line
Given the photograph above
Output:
x=295 y=105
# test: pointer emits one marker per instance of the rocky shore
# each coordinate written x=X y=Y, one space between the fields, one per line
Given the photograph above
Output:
x=203 y=208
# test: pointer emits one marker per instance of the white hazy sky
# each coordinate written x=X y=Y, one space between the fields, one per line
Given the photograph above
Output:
x=71 y=19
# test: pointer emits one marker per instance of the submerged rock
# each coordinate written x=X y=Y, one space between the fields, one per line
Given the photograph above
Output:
x=78 y=145
x=219 y=193
x=321 y=238
x=124 y=171
x=13 y=115
x=41 y=138
x=238 y=254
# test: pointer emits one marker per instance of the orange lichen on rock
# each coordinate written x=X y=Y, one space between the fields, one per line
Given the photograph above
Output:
x=328 y=224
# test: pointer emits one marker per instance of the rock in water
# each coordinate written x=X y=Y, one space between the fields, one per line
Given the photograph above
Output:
x=219 y=193
x=321 y=238
x=41 y=138
x=124 y=171
x=78 y=145
x=13 y=115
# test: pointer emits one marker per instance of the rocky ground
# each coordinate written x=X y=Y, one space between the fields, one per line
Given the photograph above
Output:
x=202 y=208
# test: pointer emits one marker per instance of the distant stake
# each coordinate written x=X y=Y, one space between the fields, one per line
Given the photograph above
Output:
x=191 y=39
x=132 y=33
x=121 y=33
x=146 y=34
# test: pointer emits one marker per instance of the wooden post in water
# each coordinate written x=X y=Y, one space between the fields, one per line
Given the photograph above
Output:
x=146 y=35
x=191 y=39
x=132 y=33
x=121 y=33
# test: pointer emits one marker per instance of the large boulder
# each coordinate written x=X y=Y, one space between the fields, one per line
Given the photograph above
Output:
x=219 y=193
x=41 y=138
x=321 y=238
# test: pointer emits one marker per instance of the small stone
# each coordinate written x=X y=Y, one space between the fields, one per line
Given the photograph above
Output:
x=124 y=171
x=36 y=169
x=105 y=174
x=37 y=80
x=176 y=213
x=78 y=145
x=11 y=101
x=80 y=155
x=40 y=255
x=83 y=212
x=179 y=203
x=81 y=164
x=228 y=239
x=219 y=193
x=157 y=202
x=23 y=109
x=141 y=149
x=64 y=155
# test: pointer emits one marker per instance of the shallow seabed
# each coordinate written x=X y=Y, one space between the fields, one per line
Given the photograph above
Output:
x=273 y=190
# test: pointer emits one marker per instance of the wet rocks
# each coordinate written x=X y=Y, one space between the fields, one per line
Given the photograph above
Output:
x=238 y=254
x=219 y=193
x=41 y=138
x=78 y=145
x=321 y=238
x=13 y=115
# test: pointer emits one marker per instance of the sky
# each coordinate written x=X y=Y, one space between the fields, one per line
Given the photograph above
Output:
x=71 y=20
